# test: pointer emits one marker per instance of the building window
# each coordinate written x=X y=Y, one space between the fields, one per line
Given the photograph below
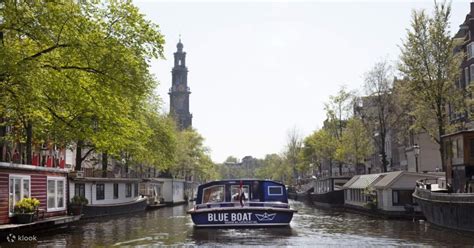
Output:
x=128 y=190
x=470 y=50
x=56 y=193
x=466 y=77
x=471 y=73
x=402 y=197
x=135 y=190
x=80 y=189
x=19 y=188
x=116 y=194
x=100 y=191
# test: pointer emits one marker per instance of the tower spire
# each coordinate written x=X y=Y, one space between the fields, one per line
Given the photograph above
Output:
x=179 y=91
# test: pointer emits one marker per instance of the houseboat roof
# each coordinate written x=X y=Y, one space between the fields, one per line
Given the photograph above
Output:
x=106 y=179
x=392 y=177
x=363 y=181
x=31 y=167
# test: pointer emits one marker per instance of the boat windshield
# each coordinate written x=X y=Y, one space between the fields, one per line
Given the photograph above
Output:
x=213 y=194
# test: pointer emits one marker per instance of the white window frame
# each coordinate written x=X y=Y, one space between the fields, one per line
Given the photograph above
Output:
x=21 y=177
x=55 y=208
x=280 y=187
x=213 y=186
x=470 y=51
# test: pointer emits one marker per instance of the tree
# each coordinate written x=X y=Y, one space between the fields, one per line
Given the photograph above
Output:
x=192 y=158
x=380 y=113
x=292 y=151
x=76 y=72
x=431 y=69
x=325 y=145
x=356 y=144
x=338 y=110
x=275 y=168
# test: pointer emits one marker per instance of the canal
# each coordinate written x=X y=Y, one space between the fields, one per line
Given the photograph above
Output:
x=310 y=227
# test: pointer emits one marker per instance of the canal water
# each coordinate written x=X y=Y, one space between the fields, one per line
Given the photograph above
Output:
x=310 y=227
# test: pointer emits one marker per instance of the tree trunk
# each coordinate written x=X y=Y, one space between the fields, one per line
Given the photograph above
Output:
x=79 y=145
x=104 y=164
x=29 y=142
x=340 y=168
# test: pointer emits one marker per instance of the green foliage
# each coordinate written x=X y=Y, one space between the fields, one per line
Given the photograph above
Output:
x=275 y=168
x=26 y=205
x=356 y=143
x=192 y=157
x=78 y=72
x=79 y=200
x=431 y=70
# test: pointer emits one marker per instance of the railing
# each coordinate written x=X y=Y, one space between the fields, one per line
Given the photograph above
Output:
x=424 y=187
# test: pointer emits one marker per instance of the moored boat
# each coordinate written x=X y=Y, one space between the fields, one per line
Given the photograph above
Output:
x=451 y=210
x=231 y=203
x=328 y=192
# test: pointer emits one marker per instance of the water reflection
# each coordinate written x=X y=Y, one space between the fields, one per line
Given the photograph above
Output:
x=310 y=227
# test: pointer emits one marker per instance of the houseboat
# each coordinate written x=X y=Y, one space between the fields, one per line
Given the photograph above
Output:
x=107 y=196
x=449 y=202
x=386 y=195
x=172 y=190
x=152 y=189
x=46 y=184
x=231 y=203
x=328 y=192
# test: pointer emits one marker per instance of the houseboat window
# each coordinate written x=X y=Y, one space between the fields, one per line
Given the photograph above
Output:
x=80 y=189
x=56 y=193
x=402 y=197
x=100 y=191
x=234 y=192
x=128 y=190
x=115 y=190
x=275 y=190
x=213 y=194
x=19 y=188
x=135 y=190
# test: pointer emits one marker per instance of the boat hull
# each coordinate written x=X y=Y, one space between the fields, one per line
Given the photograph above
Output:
x=329 y=199
x=91 y=211
x=241 y=216
x=447 y=210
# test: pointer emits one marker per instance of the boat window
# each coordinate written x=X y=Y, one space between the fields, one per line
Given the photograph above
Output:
x=213 y=194
x=275 y=190
x=234 y=192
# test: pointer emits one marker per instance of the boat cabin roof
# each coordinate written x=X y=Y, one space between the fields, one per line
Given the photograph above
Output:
x=255 y=190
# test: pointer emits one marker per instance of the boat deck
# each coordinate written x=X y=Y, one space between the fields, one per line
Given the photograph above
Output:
x=35 y=226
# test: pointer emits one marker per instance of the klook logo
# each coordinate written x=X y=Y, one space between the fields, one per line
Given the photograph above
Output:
x=11 y=238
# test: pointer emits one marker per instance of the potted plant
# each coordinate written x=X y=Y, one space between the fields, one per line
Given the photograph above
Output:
x=77 y=203
x=24 y=210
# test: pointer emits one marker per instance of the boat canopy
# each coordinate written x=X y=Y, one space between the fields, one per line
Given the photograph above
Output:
x=254 y=191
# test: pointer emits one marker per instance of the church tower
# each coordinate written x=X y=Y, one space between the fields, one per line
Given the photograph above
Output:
x=179 y=91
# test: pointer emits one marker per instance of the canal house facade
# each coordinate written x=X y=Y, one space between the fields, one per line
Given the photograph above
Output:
x=48 y=185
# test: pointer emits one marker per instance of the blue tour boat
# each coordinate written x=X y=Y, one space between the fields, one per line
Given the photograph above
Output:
x=230 y=203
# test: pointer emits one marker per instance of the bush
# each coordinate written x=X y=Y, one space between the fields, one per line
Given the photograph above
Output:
x=26 y=205
x=79 y=200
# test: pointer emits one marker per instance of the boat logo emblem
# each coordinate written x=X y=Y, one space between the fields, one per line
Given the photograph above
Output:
x=265 y=216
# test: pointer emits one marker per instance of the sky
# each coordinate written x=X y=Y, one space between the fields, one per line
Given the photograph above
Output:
x=260 y=69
